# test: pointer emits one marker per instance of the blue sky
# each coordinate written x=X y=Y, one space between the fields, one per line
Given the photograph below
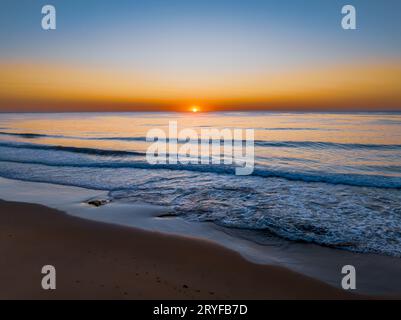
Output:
x=218 y=33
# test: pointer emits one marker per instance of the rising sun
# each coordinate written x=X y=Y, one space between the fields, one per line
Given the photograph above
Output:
x=195 y=109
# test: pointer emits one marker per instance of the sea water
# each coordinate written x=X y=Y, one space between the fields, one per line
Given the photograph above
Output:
x=332 y=179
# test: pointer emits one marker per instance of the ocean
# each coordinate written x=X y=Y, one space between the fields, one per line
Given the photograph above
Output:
x=332 y=179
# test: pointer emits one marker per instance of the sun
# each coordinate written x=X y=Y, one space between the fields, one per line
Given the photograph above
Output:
x=195 y=109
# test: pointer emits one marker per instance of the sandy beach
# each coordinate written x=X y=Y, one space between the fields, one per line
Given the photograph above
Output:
x=101 y=261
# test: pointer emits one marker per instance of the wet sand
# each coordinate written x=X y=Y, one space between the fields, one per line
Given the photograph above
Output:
x=95 y=260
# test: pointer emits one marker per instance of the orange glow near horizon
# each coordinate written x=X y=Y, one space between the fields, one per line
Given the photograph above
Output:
x=47 y=87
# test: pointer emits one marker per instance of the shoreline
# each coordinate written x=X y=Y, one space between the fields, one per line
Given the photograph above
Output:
x=94 y=260
x=377 y=275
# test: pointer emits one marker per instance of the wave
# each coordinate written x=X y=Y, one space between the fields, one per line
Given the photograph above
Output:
x=30 y=135
x=299 y=129
x=327 y=145
x=358 y=180
x=285 y=144
x=135 y=159
x=89 y=151
x=258 y=143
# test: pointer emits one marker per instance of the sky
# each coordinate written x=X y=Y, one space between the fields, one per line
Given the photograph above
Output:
x=150 y=55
